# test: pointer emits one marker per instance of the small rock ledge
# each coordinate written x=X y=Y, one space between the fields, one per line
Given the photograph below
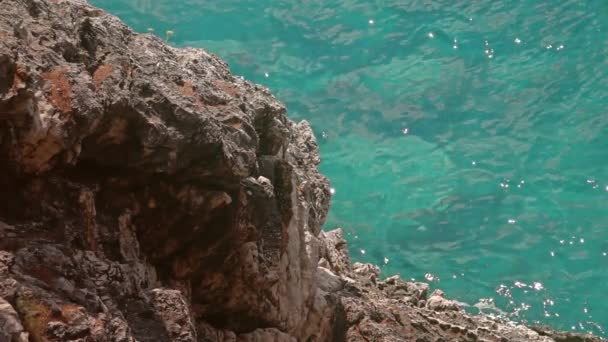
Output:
x=150 y=195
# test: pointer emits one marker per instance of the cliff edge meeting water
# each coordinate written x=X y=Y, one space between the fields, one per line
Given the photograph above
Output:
x=466 y=141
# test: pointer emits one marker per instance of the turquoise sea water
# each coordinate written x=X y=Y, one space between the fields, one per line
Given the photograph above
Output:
x=467 y=141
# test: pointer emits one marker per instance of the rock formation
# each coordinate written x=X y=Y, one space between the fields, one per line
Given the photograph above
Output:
x=147 y=194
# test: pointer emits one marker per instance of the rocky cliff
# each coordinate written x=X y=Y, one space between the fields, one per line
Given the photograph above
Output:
x=149 y=195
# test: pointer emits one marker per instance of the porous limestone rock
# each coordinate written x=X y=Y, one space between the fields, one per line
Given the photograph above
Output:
x=11 y=329
x=128 y=165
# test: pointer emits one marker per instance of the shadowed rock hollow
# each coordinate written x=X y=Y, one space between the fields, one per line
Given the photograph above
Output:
x=150 y=195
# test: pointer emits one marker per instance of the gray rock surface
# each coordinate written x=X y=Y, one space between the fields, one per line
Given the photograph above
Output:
x=10 y=324
x=150 y=195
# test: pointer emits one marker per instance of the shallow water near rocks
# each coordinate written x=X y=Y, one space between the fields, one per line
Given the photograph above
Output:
x=467 y=141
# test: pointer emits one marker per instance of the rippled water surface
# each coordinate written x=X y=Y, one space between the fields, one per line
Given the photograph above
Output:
x=466 y=141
